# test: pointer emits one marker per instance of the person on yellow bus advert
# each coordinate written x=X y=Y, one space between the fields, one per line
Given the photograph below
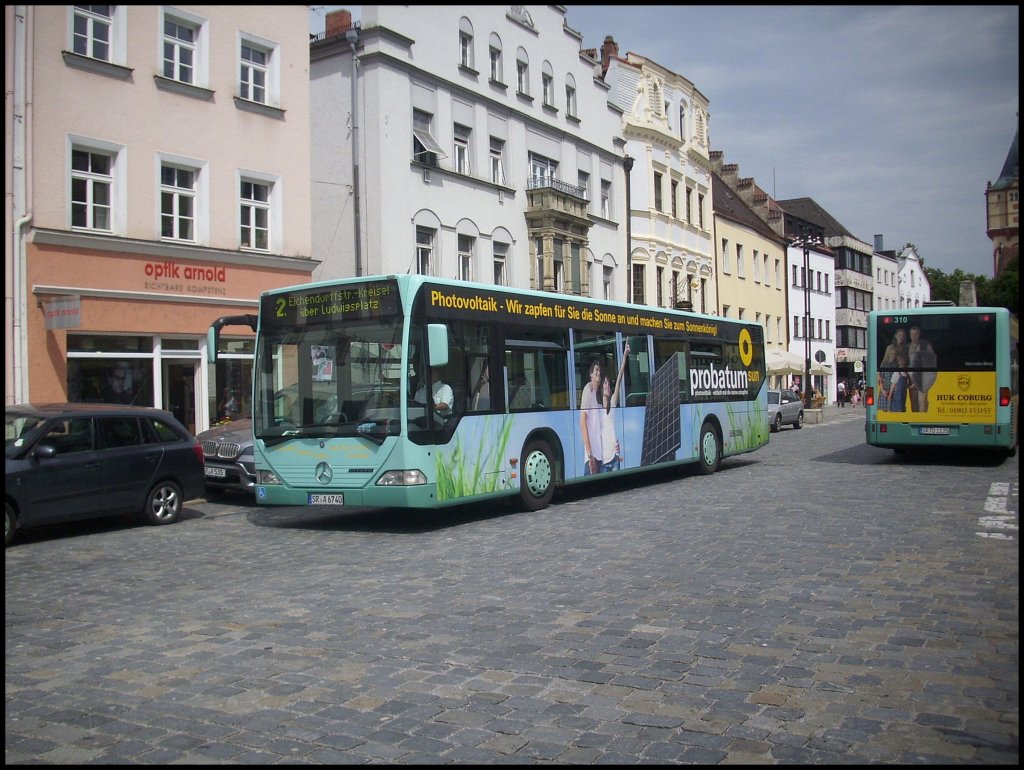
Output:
x=892 y=376
x=922 y=355
x=612 y=458
x=591 y=421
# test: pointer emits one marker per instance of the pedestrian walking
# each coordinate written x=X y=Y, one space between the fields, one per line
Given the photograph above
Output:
x=841 y=393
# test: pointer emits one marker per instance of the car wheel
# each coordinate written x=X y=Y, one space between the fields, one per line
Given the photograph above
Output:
x=799 y=421
x=10 y=523
x=163 y=504
x=536 y=476
x=710 y=449
x=777 y=423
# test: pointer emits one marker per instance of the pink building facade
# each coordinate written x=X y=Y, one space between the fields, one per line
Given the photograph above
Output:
x=158 y=169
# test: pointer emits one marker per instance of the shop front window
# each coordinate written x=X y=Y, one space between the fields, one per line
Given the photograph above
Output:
x=110 y=381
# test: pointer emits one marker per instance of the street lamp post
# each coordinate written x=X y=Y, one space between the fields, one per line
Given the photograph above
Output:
x=627 y=165
x=805 y=242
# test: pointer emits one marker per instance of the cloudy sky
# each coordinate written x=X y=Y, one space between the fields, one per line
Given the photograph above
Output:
x=892 y=118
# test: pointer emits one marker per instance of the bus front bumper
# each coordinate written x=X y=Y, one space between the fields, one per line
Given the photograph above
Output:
x=419 y=496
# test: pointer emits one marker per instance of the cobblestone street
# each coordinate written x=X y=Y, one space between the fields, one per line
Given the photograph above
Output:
x=817 y=601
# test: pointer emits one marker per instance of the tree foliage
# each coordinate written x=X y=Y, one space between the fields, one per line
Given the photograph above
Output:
x=1003 y=291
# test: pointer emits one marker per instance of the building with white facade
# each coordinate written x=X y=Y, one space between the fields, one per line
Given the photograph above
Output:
x=665 y=125
x=157 y=170
x=886 y=268
x=853 y=280
x=914 y=287
x=812 y=308
x=472 y=142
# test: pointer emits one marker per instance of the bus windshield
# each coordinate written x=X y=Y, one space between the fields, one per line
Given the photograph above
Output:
x=329 y=380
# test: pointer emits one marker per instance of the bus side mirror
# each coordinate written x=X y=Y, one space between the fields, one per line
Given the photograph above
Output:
x=437 y=345
x=211 y=345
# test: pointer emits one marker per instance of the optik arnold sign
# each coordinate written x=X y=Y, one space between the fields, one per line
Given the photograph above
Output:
x=179 y=278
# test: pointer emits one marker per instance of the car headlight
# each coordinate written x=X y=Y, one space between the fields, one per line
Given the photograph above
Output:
x=409 y=478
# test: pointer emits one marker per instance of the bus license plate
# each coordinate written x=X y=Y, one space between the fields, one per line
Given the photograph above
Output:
x=217 y=473
x=312 y=499
x=934 y=431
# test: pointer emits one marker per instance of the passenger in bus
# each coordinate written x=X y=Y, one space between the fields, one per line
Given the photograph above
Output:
x=441 y=394
x=590 y=420
x=612 y=459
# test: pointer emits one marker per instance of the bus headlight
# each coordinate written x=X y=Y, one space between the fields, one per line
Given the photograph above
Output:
x=402 y=479
x=267 y=477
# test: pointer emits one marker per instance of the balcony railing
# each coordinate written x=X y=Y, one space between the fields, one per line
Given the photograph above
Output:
x=538 y=182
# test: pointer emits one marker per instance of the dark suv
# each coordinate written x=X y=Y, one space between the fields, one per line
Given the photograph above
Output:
x=80 y=461
x=230 y=464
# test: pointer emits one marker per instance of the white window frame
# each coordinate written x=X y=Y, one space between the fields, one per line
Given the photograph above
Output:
x=522 y=73
x=741 y=269
x=570 y=96
x=497 y=160
x=583 y=179
x=726 y=258
x=467 y=246
x=85 y=42
x=179 y=196
x=114 y=180
x=199 y=46
x=547 y=80
x=466 y=57
x=270 y=69
x=606 y=199
x=178 y=53
x=499 y=255
x=461 y=139
x=496 y=63
x=426 y=238
x=247 y=206
x=542 y=169
x=429 y=150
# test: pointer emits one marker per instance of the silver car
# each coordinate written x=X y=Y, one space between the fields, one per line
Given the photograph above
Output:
x=784 y=408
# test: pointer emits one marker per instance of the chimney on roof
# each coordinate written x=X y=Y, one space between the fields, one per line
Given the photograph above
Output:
x=878 y=244
x=608 y=49
x=338 y=23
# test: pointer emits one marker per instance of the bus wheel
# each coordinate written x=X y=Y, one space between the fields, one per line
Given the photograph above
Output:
x=536 y=476
x=710 y=449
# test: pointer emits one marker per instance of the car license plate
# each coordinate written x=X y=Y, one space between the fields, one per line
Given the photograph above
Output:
x=928 y=430
x=216 y=473
x=312 y=499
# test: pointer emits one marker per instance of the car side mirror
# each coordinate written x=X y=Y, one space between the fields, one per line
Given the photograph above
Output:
x=44 y=450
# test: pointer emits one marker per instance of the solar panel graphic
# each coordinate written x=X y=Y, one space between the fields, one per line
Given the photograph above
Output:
x=661 y=421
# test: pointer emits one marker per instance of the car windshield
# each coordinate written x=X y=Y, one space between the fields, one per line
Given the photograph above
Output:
x=17 y=425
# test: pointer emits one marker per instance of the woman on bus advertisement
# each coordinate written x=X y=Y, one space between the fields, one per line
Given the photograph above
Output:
x=892 y=375
x=591 y=422
x=612 y=459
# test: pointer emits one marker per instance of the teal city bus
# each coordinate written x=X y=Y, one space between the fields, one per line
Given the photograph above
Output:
x=943 y=376
x=412 y=391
